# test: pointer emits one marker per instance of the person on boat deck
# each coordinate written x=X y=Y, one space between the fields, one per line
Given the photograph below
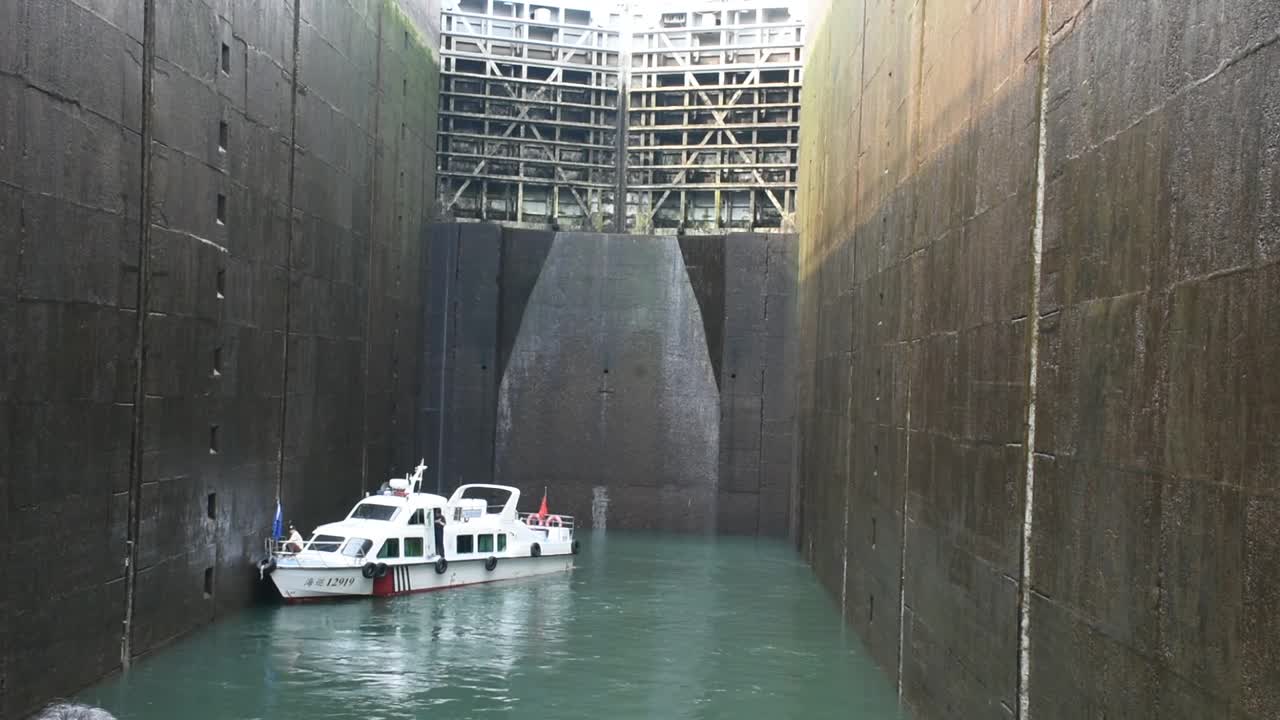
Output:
x=294 y=543
x=439 y=532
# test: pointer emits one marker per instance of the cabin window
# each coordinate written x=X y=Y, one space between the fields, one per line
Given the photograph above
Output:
x=418 y=517
x=390 y=548
x=325 y=543
x=502 y=543
x=466 y=544
x=373 y=511
x=412 y=547
x=486 y=543
x=357 y=547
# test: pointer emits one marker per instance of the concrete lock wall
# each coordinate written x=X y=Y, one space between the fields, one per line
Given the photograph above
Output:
x=1048 y=226
x=646 y=382
x=281 y=153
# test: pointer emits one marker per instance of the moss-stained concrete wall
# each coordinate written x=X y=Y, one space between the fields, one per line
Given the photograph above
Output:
x=254 y=173
x=1072 y=251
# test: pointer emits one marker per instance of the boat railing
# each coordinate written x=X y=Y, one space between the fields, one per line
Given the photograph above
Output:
x=286 y=552
x=316 y=562
x=276 y=548
x=533 y=520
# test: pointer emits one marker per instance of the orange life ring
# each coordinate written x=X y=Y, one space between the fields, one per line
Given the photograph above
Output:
x=533 y=520
x=556 y=519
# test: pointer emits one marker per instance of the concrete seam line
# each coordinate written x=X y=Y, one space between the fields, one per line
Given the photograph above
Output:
x=764 y=368
x=496 y=361
x=1033 y=354
x=140 y=347
x=369 y=258
x=446 y=313
x=906 y=470
x=288 y=254
x=449 y=350
x=902 y=535
x=857 y=185
x=848 y=480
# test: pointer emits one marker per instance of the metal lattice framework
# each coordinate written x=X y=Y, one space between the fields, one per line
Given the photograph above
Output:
x=713 y=118
x=529 y=113
x=537 y=128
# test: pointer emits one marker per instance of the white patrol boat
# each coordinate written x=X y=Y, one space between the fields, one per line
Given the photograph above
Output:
x=402 y=540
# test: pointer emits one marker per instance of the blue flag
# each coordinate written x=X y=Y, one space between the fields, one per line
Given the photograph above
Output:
x=277 y=527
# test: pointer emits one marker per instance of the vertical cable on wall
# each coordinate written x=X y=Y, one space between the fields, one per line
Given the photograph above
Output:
x=136 y=444
x=906 y=472
x=370 y=259
x=1033 y=341
x=288 y=256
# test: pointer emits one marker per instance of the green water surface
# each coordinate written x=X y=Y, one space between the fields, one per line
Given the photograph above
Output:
x=646 y=626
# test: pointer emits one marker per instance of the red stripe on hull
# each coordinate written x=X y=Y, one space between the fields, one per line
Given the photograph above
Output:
x=385 y=585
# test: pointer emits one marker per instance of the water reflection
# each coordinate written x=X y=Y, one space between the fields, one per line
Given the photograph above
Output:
x=646 y=627
x=412 y=652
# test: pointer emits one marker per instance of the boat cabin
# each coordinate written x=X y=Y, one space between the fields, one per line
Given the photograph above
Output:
x=398 y=525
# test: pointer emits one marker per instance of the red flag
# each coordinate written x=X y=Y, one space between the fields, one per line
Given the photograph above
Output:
x=542 y=511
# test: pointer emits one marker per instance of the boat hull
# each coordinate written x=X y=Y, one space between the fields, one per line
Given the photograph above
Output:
x=310 y=584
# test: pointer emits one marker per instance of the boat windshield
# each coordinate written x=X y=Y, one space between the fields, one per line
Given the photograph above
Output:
x=374 y=511
x=357 y=547
x=325 y=543
x=495 y=499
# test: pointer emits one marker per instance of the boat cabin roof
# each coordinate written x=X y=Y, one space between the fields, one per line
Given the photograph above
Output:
x=497 y=498
x=386 y=512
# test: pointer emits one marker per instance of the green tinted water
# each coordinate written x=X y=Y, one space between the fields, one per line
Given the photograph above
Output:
x=646 y=626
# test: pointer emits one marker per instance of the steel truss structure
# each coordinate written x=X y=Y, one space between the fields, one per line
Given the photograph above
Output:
x=565 y=113
x=528 y=113
x=714 y=118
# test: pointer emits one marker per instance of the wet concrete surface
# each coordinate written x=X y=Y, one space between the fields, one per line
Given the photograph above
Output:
x=1150 y=537
x=281 y=338
x=586 y=364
